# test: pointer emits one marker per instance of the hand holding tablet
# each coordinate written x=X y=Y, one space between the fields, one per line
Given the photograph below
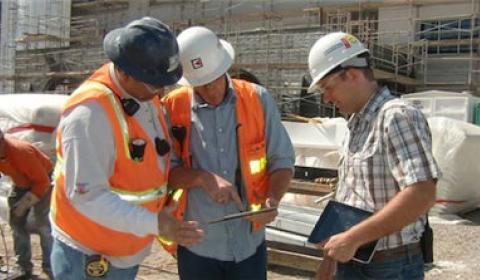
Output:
x=338 y=217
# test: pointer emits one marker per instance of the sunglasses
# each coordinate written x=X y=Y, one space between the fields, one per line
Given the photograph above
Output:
x=329 y=81
x=153 y=88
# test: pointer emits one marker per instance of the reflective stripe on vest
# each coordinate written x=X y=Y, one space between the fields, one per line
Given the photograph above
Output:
x=141 y=197
x=252 y=131
x=131 y=197
x=142 y=183
x=257 y=165
x=91 y=85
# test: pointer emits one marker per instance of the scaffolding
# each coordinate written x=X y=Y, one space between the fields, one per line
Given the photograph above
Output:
x=270 y=41
x=7 y=45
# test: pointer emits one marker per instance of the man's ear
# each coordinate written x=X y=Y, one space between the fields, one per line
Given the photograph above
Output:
x=354 y=74
x=121 y=75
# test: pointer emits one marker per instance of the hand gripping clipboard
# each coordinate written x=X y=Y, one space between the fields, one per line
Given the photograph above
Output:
x=338 y=217
x=241 y=215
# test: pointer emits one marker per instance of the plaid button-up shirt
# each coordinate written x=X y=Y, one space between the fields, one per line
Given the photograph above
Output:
x=388 y=147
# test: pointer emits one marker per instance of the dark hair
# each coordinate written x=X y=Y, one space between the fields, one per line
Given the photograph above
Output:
x=368 y=74
x=244 y=75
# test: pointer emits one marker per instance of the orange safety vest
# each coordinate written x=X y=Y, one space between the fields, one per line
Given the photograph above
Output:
x=251 y=142
x=136 y=181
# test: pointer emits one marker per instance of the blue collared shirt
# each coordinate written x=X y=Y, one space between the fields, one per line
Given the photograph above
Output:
x=213 y=147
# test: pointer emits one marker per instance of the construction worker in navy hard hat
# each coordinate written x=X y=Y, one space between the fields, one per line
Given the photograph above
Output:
x=231 y=129
x=114 y=159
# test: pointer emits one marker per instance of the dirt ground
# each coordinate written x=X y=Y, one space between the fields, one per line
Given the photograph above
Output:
x=456 y=252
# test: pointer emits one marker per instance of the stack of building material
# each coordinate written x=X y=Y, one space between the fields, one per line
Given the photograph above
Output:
x=287 y=237
x=317 y=144
x=32 y=117
x=455 y=148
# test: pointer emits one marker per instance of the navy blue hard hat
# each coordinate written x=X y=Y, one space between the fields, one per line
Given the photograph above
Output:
x=146 y=50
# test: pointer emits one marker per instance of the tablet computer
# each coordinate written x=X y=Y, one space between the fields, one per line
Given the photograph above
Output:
x=338 y=217
x=241 y=215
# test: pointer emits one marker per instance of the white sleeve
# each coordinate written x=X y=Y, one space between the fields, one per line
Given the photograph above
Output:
x=89 y=154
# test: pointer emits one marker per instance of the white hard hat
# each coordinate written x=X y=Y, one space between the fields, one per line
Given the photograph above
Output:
x=203 y=56
x=332 y=50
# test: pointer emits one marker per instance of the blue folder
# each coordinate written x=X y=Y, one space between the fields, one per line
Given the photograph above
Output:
x=338 y=217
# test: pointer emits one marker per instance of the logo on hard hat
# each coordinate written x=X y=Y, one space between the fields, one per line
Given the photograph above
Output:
x=196 y=63
x=346 y=43
x=348 y=40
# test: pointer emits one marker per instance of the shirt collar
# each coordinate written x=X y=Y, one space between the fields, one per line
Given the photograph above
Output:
x=230 y=97
x=367 y=113
x=114 y=77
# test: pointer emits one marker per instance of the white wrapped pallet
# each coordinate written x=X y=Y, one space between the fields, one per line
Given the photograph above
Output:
x=317 y=144
x=455 y=147
x=32 y=117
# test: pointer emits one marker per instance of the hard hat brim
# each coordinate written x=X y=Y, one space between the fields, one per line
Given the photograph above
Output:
x=227 y=59
x=313 y=84
x=111 y=46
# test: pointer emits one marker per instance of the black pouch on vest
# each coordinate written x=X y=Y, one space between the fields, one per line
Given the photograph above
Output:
x=426 y=243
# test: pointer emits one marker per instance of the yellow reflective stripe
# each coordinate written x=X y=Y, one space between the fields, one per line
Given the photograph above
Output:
x=141 y=197
x=175 y=197
x=177 y=194
x=164 y=241
x=255 y=207
x=58 y=169
x=258 y=165
x=58 y=166
x=122 y=121
x=91 y=85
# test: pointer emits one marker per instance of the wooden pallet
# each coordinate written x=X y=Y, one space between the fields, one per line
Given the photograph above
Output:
x=287 y=244
x=309 y=188
x=293 y=260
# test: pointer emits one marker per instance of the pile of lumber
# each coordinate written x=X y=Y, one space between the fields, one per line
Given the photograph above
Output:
x=287 y=235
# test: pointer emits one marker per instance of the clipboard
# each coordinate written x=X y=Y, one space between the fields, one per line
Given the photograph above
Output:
x=338 y=217
x=240 y=215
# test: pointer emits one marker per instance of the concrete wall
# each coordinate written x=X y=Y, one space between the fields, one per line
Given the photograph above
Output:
x=43 y=17
x=394 y=25
x=397 y=24
x=446 y=10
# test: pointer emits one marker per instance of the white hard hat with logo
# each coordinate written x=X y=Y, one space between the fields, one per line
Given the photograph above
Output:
x=204 y=57
x=333 y=50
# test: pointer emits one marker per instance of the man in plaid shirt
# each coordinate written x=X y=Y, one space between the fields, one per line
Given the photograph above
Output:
x=386 y=166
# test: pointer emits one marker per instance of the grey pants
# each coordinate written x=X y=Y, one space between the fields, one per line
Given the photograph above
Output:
x=21 y=235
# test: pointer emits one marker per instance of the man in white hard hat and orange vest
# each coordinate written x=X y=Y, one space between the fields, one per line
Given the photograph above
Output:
x=386 y=166
x=232 y=129
x=113 y=160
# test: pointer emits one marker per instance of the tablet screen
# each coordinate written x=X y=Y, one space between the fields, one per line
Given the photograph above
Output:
x=338 y=217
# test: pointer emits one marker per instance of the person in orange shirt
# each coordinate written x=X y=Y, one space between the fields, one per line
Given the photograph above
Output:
x=29 y=170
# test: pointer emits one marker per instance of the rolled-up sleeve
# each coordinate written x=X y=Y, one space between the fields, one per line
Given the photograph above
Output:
x=409 y=147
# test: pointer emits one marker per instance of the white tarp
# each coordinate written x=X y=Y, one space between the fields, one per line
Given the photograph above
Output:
x=456 y=147
x=32 y=117
x=317 y=144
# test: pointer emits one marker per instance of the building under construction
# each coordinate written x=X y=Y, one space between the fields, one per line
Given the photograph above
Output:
x=52 y=45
